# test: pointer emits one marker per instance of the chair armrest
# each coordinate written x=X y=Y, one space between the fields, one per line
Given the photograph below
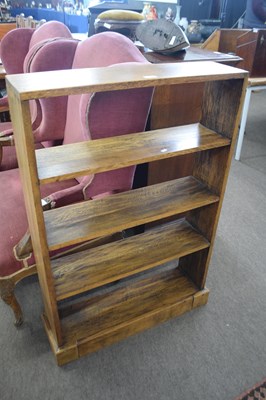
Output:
x=23 y=249
x=7 y=140
x=4 y=104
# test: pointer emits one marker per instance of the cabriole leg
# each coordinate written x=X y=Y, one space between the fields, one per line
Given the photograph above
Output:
x=8 y=296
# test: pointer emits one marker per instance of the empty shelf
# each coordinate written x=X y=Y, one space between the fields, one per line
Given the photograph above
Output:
x=94 y=156
x=92 y=268
x=90 y=219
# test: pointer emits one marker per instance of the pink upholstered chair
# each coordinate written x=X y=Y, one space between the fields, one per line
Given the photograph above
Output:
x=89 y=117
x=25 y=41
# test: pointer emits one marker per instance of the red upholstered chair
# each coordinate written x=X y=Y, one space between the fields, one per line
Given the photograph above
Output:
x=25 y=41
x=89 y=117
x=48 y=55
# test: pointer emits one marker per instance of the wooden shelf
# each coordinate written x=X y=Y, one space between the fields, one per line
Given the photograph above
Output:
x=79 y=159
x=89 y=269
x=87 y=220
x=106 y=318
x=118 y=77
x=144 y=296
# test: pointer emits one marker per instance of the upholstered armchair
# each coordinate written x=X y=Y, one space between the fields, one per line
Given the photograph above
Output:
x=88 y=117
x=25 y=41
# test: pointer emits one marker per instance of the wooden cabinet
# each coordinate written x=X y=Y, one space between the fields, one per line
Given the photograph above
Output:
x=81 y=312
x=248 y=44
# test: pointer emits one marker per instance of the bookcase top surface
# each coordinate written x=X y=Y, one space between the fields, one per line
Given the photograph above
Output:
x=118 y=77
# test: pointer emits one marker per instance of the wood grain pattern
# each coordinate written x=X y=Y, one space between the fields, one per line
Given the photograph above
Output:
x=21 y=122
x=229 y=39
x=53 y=83
x=221 y=111
x=253 y=50
x=106 y=319
x=142 y=299
x=90 y=157
x=248 y=44
x=107 y=311
x=174 y=105
x=221 y=104
x=124 y=258
x=95 y=218
x=64 y=353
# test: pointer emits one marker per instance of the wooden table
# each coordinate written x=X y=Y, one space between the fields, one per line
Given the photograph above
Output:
x=192 y=54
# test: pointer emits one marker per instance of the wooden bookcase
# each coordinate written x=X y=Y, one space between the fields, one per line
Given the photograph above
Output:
x=146 y=294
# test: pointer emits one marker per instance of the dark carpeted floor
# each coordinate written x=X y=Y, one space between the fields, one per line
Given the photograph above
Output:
x=215 y=352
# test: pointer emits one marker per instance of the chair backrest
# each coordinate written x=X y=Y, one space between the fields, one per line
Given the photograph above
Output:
x=49 y=115
x=50 y=30
x=14 y=48
x=106 y=114
x=28 y=57
x=16 y=44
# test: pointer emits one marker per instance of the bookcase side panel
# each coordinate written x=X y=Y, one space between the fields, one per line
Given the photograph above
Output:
x=221 y=106
x=221 y=110
x=21 y=121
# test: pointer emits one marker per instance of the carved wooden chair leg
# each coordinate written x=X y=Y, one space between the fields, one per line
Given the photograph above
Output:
x=23 y=251
x=7 y=287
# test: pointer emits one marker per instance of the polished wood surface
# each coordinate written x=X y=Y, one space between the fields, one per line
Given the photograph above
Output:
x=53 y=83
x=210 y=112
x=137 y=308
x=252 y=48
x=224 y=40
x=118 y=260
x=144 y=298
x=178 y=105
x=128 y=310
x=192 y=54
x=22 y=127
x=94 y=218
x=221 y=113
x=167 y=287
x=79 y=159
x=248 y=44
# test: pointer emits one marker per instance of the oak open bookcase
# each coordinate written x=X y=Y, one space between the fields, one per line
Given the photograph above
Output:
x=79 y=315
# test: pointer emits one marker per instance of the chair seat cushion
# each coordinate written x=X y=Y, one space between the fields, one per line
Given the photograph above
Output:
x=13 y=216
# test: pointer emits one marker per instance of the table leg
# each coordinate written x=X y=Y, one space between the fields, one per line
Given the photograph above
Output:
x=244 y=118
x=243 y=123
